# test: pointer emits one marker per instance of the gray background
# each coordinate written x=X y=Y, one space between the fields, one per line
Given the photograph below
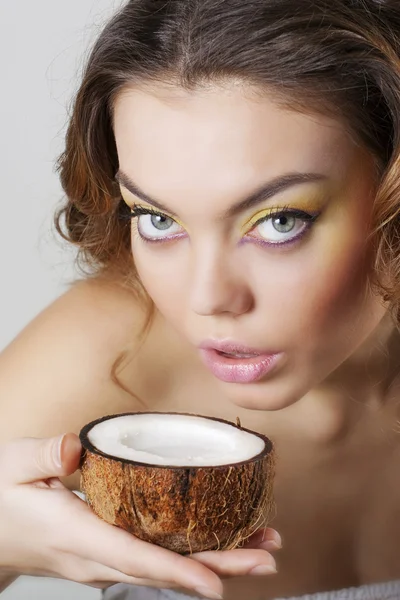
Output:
x=42 y=44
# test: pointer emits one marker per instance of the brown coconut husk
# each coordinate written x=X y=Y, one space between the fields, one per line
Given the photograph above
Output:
x=184 y=509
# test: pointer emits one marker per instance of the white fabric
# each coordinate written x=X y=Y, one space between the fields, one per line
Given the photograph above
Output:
x=378 y=591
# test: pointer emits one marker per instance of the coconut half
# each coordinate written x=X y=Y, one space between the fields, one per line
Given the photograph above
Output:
x=185 y=482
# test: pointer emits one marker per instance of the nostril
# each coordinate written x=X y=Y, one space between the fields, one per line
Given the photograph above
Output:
x=218 y=299
x=218 y=288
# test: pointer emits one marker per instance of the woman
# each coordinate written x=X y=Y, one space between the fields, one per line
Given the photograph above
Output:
x=246 y=155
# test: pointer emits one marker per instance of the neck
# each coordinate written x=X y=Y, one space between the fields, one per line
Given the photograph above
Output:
x=363 y=385
x=369 y=374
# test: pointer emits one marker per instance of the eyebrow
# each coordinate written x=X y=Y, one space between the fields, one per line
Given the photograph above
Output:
x=261 y=194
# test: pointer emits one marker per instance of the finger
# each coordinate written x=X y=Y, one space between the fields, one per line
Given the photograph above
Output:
x=70 y=453
x=265 y=539
x=53 y=484
x=117 y=549
x=233 y=563
x=96 y=575
x=103 y=585
x=161 y=585
x=27 y=460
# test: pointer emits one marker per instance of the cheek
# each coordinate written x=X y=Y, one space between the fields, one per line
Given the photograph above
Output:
x=320 y=289
x=335 y=287
x=340 y=270
x=162 y=273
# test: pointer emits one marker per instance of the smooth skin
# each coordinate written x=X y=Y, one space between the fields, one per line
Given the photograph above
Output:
x=331 y=406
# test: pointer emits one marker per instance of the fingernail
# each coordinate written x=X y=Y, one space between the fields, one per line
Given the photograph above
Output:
x=205 y=591
x=274 y=537
x=270 y=545
x=263 y=570
x=57 y=451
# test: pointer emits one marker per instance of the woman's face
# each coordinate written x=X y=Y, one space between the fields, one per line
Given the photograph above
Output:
x=256 y=249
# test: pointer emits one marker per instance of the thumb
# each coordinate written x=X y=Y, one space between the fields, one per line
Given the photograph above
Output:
x=32 y=459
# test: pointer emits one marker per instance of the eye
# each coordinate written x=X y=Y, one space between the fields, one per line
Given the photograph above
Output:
x=154 y=226
x=282 y=227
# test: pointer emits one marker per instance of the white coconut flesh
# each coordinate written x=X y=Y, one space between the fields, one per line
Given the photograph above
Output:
x=174 y=440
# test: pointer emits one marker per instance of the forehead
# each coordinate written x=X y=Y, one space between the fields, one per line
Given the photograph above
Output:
x=221 y=139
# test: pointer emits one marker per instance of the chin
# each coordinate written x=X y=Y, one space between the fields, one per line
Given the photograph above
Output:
x=266 y=396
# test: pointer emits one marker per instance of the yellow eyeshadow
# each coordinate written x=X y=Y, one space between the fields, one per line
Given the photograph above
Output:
x=125 y=198
x=257 y=217
x=307 y=205
x=150 y=209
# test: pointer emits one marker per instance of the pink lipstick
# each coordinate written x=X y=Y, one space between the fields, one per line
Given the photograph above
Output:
x=234 y=363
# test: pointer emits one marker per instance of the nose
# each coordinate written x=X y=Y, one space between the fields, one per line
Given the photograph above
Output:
x=219 y=286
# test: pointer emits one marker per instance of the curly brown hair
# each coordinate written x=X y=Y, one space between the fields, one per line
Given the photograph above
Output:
x=338 y=57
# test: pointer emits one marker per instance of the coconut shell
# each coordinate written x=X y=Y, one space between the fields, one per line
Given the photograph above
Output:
x=184 y=509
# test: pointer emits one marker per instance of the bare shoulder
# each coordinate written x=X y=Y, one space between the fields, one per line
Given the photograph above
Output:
x=57 y=374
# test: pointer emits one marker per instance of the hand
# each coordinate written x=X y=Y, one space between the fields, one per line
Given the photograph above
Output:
x=46 y=530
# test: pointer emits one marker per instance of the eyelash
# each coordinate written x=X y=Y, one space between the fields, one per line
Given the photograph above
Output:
x=138 y=211
x=309 y=218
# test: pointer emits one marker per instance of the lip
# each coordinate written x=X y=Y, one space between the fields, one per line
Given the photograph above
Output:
x=237 y=370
